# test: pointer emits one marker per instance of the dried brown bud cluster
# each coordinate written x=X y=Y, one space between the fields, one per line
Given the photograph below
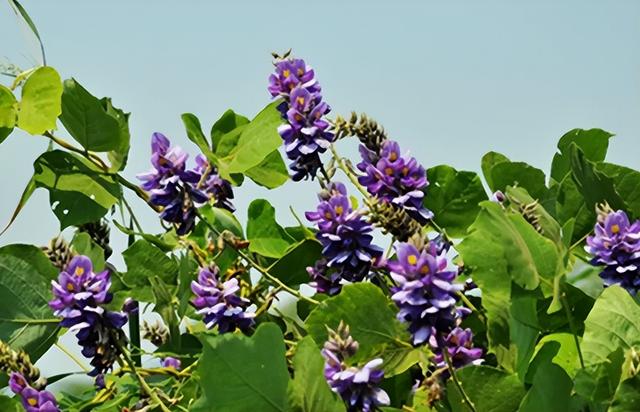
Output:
x=19 y=361
x=156 y=333
x=341 y=342
x=59 y=252
x=370 y=133
x=392 y=220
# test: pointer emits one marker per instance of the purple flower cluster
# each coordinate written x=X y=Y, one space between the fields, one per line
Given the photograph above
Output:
x=346 y=239
x=79 y=297
x=616 y=246
x=357 y=386
x=459 y=345
x=426 y=292
x=170 y=362
x=396 y=179
x=305 y=133
x=33 y=400
x=179 y=191
x=219 y=303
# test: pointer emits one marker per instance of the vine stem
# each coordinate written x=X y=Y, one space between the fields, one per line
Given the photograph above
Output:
x=352 y=178
x=454 y=377
x=71 y=356
x=572 y=326
x=259 y=268
x=143 y=384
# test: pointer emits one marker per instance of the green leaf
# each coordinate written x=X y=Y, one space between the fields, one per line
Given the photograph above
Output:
x=118 y=157
x=453 y=196
x=627 y=184
x=271 y=173
x=19 y=10
x=222 y=220
x=522 y=175
x=614 y=322
x=25 y=283
x=489 y=160
x=241 y=374
x=488 y=388
x=41 y=101
x=8 y=404
x=257 y=141
x=593 y=142
x=567 y=351
x=24 y=198
x=570 y=204
x=291 y=268
x=502 y=247
x=83 y=245
x=194 y=133
x=598 y=383
x=594 y=186
x=308 y=391
x=267 y=237
x=145 y=261
x=8 y=112
x=627 y=396
x=226 y=131
x=87 y=120
x=78 y=191
x=551 y=386
x=372 y=321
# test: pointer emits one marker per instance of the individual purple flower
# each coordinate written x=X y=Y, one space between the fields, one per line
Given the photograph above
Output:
x=498 y=197
x=425 y=293
x=345 y=236
x=325 y=279
x=357 y=386
x=306 y=133
x=219 y=302
x=459 y=345
x=616 y=246
x=32 y=399
x=396 y=179
x=179 y=191
x=170 y=362
x=79 y=298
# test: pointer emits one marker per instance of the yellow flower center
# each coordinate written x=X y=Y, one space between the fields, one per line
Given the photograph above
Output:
x=79 y=271
x=405 y=171
x=615 y=229
x=339 y=210
x=300 y=100
x=424 y=270
x=32 y=401
x=393 y=156
x=300 y=72
x=286 y=73
x=327 y=215
x=70 y=287
x=388 y=171
x=412 y=259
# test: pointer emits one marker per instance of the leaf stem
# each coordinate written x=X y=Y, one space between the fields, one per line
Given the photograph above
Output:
x=71 y=356
x=454 y=378
x=352 y=178
x=572 y=326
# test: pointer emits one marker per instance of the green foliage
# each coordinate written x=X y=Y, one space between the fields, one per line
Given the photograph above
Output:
x=488 y=388
x=254 y=367
x=8 y=112
x=267 y=237
x=40 y=105
x=308 y=391
x=453 y=197
x=79 y=192
x=26 y=321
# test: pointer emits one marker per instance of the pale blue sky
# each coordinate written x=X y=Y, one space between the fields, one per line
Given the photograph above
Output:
x=450 y=80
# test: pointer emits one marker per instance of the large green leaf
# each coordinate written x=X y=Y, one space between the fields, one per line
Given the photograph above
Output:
x=25 y=281
x=8 y=404
x=291 y=268
x=593 y=142
x=226 y=131
x=145 y=261
x=567 y=351
x=627 y=184
x=8 y=112
x=41 y=101
x=502 y=247
x=308 y=391
x=118 y=157
x=271 y=172
x=87 y=120
x=241 y=374
x=627 y=396
x=614 y=322
x=488 y=388
x=570 y=204
x=489 y=160
x=373 y=324
x=520 y=174
x=258 y=140
x=194 y=133
x=78 y=191
x=453 y=196
x=267 y=237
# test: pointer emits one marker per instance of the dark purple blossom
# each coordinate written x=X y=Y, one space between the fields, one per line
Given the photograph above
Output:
x=459 y=345
x=170 y=362
x=616 y=247
x=396 y=179
x=219 y=302
x=325 y=279
x=345 y=237
x=357 y=386
x=306 y=133
x=179 y=191
x=79 y=298
x=426 y=293
x=32 y=399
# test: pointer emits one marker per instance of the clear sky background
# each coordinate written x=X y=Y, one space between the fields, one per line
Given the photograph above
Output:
x=450 y=80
